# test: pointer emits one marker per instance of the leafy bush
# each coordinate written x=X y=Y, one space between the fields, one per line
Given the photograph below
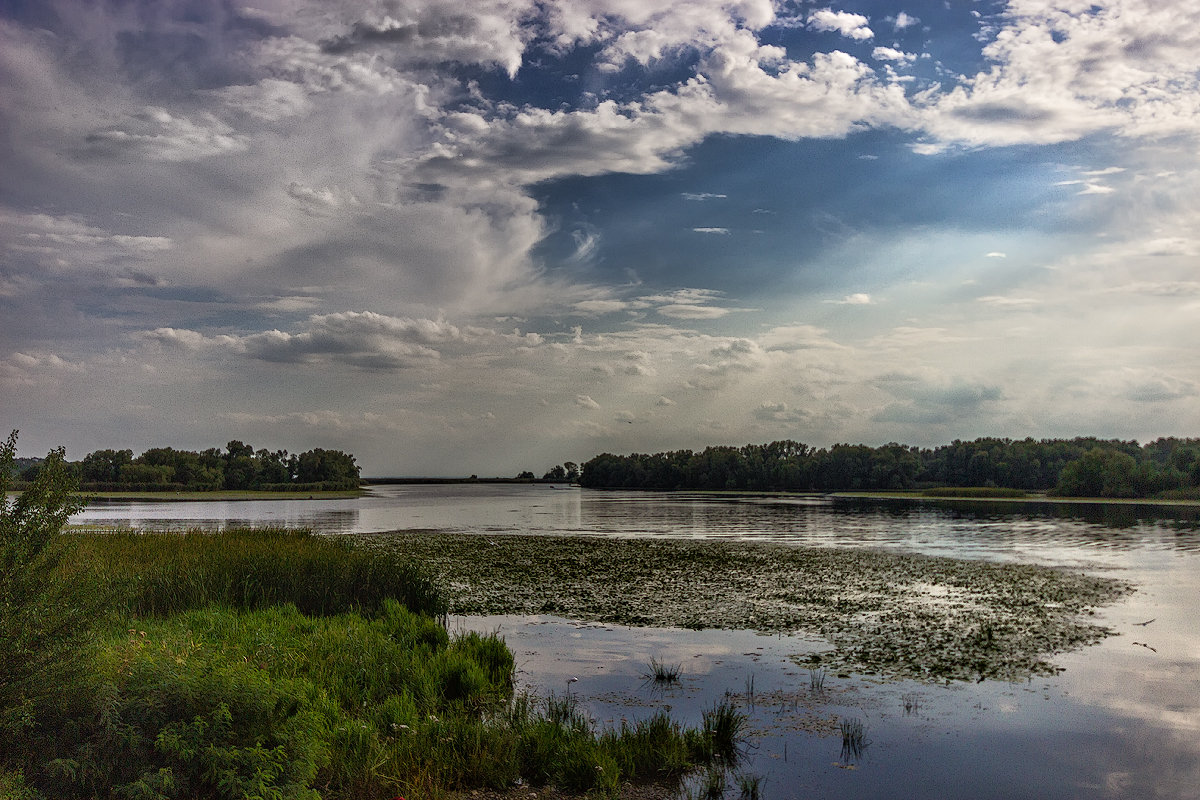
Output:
x=44 y=622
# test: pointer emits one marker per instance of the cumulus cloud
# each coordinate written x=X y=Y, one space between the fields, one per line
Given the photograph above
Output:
x=890 y=54
x=1059 y=74
x=584 y=401
x=852 y=26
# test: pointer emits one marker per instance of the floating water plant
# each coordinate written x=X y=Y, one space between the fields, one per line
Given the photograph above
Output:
x=893 y=614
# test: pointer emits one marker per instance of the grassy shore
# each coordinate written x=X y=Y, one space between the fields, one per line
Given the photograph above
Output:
x=277 y=664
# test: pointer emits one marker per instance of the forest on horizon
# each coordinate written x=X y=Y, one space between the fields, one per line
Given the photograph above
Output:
x=1080 y=467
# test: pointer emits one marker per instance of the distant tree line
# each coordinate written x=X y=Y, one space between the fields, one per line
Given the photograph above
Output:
x=1080 y=467
x=238 y=466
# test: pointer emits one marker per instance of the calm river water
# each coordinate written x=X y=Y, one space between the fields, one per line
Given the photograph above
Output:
x=1121 y=720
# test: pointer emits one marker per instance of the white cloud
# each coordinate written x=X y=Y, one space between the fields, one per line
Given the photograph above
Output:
x=156 y=135
x=1010 y=302
x=852 y=26
x=889 y=54
x=364 y=340
x=720 y=231
x=1062 y=73
x=598 y=307
x=856 y=299
x=682 y=311
x=584 y=401
x=904 y=20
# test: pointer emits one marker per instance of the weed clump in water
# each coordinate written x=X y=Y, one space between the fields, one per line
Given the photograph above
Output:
x=664 y=674
x=854 y=740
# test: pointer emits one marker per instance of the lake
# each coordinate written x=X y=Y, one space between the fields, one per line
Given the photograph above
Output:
x=1122 y=718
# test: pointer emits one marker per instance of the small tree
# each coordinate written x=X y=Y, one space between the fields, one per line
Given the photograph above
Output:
x=44 y=621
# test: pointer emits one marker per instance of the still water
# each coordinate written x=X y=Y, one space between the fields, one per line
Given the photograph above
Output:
x=1121 y=720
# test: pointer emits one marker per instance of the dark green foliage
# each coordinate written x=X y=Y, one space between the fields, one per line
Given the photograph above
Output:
x=1028 y=465
x=44 y=621
x=271 y=703
x=238 y=467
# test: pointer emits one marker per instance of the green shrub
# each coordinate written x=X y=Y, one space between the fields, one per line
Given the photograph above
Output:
x=45 y=622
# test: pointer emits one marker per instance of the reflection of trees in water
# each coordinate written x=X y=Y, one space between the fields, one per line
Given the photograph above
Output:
x=1107 y=525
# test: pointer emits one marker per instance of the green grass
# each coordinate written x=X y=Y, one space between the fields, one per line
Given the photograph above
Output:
x=163 y=573
x=278 y=664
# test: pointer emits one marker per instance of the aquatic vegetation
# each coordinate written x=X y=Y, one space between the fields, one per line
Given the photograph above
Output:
x=893 y=614
x=724 y=729
x=749 y=786
x=664 y=674
x=854 y=740
x=816 y=679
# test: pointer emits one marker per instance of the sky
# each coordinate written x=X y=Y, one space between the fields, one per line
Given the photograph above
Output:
x=488 y=237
